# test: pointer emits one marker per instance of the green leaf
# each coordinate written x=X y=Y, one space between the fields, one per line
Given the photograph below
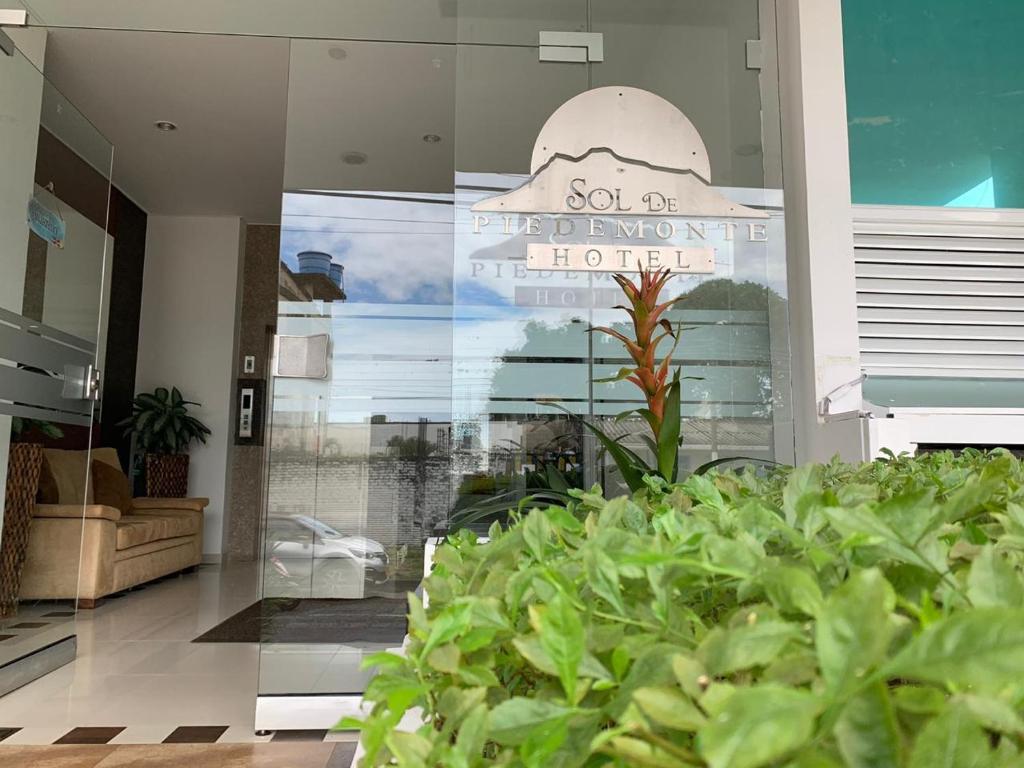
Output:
x=624 y=373
x=952 y=740
x=631 y=466
x=562 y=638
x=804 y=483
x=473 y=734
x=512 y=721
x=603 y=574
x=690 y=675
x=537 y=533
x=668 y=437
x=529 y=646
x=453 y=621
x=445 y=658
x=793 y=590
x=982 y=648
x=994 y=714
x=556 y=480
x=863 y=522
x=411 y=749
x=852 y=632
x=919 y=700
x=993 y=581
x=637 y=753
x=867 y=733
x=725 y=651
x=757 y=726
x=668 y=707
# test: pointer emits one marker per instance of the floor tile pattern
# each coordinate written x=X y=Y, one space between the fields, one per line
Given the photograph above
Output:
x=138 y=674
x=89 y=735
x=196 y=734
x=286 y=755
x=299 y=736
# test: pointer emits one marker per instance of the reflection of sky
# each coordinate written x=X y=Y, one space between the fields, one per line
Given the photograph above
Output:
x=426 y=327
x=395 y=251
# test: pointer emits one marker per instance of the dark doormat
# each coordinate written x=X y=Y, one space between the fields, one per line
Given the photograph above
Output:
x=302 y=620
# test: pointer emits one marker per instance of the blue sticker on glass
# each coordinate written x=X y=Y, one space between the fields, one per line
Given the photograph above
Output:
x=49 y=225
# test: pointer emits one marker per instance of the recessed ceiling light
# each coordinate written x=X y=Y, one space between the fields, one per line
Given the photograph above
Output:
x=432 y=138
x=165 y=125
x=337 y=53
x=354 y=158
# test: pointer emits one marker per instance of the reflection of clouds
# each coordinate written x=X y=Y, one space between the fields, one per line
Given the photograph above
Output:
x=394 y=250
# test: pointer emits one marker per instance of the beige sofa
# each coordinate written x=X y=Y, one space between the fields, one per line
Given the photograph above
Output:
x=158 y=537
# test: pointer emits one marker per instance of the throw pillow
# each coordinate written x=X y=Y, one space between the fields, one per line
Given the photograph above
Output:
x=110 y=486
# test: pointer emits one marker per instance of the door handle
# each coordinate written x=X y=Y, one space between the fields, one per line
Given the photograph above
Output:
x=81 y=383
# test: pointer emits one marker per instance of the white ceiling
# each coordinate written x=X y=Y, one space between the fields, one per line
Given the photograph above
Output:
x=243 y=102
x=507 y=22
x=228 y=96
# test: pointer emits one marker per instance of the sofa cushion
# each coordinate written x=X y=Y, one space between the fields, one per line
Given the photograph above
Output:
x=108 y=456
x=110 y=486
x=135 y=530
x=69 y=471
x=49 y=493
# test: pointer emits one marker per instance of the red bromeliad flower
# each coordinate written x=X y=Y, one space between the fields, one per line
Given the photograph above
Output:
x=649 y=330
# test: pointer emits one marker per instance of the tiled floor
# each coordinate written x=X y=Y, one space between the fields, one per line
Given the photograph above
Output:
x=288 y=755
x=34 y=627
x=140 y=680
x=138 y=669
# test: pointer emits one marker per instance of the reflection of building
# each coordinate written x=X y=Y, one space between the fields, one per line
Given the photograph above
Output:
x=317 y=279
x=389 y=481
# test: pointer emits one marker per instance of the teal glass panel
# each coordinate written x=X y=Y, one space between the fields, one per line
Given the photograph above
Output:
x=935 y=102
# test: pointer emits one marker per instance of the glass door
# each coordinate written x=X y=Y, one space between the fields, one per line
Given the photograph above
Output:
x=420 y=341
x=54 y=195
x=361 y=422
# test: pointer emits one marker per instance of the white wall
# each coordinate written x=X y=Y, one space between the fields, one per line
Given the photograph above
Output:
x=188 y=338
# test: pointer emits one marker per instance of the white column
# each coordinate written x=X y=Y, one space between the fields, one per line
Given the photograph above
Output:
x=819 y=227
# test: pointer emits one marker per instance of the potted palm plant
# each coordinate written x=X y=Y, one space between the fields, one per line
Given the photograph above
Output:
x=163 y=432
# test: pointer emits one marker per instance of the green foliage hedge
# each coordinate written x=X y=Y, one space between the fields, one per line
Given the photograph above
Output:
x=868 y=615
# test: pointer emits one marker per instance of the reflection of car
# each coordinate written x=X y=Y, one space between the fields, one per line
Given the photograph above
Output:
x=308 y=558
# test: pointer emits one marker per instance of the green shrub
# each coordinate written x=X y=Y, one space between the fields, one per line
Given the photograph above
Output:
x=831 y=615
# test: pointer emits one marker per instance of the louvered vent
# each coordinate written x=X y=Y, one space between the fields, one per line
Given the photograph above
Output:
x=940 y=292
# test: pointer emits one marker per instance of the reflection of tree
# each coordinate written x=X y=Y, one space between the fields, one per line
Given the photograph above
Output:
x=566 y=344
x=410 y=447
x=725 y=294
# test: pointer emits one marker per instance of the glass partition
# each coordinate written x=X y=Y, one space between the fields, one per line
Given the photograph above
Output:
x=421 y=336
x=359 y=453
x=55 y=246
x=523 y=348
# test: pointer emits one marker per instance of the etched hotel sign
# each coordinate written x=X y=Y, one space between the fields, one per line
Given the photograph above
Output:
x=620 y=180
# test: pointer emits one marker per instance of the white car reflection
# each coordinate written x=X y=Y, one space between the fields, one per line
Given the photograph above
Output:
x=308 y=558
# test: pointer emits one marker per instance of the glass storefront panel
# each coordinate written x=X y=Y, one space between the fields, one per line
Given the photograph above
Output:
x=358 y=463
x=56 y=248
x=446 y=347
x=522 y=334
